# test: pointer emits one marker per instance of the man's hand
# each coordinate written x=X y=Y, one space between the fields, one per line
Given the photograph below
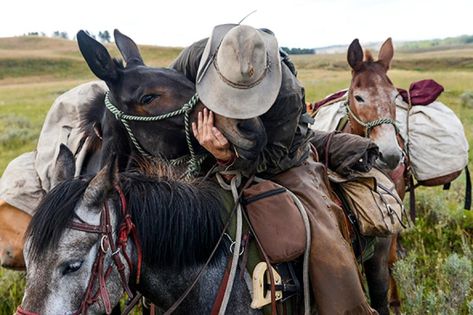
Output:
x=211 y=138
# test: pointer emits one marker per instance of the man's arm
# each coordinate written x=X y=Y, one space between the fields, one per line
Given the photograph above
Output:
x=188 y=60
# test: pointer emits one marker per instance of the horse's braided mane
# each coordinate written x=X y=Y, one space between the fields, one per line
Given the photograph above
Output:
x=178 y=222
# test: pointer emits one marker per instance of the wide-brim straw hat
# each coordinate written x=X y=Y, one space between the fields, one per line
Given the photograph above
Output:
x=239 y=73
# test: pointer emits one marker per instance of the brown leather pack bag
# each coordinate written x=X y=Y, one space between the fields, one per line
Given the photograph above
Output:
x=276 y=220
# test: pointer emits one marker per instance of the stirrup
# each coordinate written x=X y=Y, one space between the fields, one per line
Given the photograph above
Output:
x=260 y=282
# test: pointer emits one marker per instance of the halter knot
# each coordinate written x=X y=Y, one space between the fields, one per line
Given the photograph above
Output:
x=193 y=162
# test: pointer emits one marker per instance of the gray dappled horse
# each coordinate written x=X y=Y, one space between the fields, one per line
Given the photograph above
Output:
x=73 y=262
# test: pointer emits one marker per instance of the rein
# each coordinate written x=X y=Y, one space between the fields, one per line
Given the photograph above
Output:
x=193 y=161
x=369 y=125
x=99 y=273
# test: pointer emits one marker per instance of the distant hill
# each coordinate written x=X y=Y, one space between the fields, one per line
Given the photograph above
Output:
x=29 y=56
x=463 y=41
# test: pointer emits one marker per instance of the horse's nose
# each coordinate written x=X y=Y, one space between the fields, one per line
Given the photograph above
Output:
x=11 y=257
x=391 y=158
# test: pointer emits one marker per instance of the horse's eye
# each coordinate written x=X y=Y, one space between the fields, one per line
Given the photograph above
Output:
x=72 y=267
x=359 y=99
x=148 y=98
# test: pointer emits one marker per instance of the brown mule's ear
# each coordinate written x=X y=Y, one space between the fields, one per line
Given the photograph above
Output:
x=355 y=55
x=386 y=53
x=128 y=49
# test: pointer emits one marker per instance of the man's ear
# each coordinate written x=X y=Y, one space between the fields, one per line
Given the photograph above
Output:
x=97 y=57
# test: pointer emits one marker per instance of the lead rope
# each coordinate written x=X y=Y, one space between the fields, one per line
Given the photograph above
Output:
x=233 y=187
x=371 y=124
x=193 y=161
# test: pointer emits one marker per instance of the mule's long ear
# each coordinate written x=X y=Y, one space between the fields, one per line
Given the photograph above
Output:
x=386 y=53
x=97 y=57
x=355 y=55
x=65 y=166
x=102 y=184
x=128 y=49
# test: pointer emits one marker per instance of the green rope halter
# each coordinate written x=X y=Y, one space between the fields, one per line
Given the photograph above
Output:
x=193 y=161
x=371 y=124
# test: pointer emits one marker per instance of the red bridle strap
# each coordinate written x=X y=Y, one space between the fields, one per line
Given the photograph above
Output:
x=98 y=272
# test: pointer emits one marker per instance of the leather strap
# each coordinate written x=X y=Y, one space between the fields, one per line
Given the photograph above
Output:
x=467 y=189
x=266 y=258
x=221 y=290
x=412 y=198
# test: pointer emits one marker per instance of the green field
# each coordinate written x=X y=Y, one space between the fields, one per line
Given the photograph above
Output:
x=436 y=275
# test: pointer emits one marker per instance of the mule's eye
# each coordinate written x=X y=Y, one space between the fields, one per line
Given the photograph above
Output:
x=146 y=99
x=72 y=267
x=359 y=99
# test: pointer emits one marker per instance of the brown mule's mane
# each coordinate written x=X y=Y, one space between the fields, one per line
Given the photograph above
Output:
x=368 y=56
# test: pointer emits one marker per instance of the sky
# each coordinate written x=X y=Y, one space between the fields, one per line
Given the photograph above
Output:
x=296 y=23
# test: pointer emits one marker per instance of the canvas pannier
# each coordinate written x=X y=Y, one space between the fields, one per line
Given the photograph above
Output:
x=372 y=202
x=276 y=220
x=437 y=146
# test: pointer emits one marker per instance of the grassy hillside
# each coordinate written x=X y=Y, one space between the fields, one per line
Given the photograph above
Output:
x=435 y=277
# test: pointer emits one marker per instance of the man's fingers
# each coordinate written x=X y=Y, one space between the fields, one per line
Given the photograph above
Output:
x=199 y=121
x=211 y=119
x=206 y=117
x=219 y=137
x=195 y=131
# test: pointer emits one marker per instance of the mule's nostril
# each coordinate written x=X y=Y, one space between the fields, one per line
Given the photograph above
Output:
x=245 y=126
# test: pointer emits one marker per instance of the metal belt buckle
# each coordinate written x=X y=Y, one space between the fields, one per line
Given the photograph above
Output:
x=260 y=281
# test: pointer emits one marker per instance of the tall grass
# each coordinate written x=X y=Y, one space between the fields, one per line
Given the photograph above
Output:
x=11 y=290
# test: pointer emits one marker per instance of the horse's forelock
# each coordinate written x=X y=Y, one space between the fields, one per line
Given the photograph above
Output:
x=368 y=56
x=52 y=216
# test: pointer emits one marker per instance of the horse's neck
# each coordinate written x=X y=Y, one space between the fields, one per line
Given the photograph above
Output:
x=164 y=287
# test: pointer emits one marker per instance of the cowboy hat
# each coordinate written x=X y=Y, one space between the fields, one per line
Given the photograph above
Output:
x=239 y=73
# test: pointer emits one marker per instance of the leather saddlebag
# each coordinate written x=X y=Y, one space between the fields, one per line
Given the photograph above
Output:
x=276 y=220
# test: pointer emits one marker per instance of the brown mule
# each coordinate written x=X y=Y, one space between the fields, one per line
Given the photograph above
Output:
x=372 y=113
x=13 y=224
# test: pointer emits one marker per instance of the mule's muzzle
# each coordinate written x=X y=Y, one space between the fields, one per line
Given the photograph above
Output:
x=248 y=137
x=389 y=160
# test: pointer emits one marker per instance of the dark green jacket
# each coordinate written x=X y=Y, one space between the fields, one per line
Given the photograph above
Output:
x=285 y=122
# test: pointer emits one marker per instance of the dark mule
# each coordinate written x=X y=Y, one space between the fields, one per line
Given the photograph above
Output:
x=372 y=113
x=141 y=91
x=178 y=223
